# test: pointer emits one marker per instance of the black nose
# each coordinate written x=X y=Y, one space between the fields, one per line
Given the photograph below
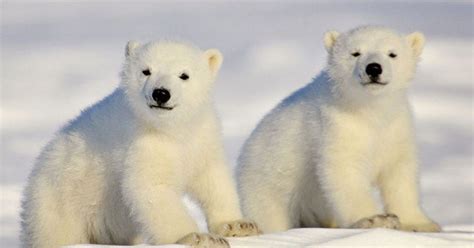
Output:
x=161 y=95
x=373 y=69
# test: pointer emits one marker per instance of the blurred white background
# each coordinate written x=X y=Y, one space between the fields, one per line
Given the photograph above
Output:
x=59 y=57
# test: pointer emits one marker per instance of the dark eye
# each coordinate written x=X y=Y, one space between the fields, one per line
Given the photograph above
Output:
x=392 y=55
x=184 y=76
x=146 y=72
x=356 y=54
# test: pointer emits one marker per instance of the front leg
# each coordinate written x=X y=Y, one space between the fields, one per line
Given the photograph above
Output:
x=344 y=171
x=215 y=190
x=348 y=191
x=399 y=190
x=151 y=189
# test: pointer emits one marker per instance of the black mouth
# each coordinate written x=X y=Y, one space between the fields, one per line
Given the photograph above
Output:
x=374 y=82
x=162 y=107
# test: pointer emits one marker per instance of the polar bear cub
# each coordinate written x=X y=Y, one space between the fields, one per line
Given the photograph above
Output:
x=312 y=161
x=117 y=173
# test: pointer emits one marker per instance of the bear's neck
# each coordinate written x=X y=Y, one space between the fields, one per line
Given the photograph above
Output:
x=175 y=128
x=386 y=104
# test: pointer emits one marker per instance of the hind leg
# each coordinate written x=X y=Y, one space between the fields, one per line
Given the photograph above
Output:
x=268 y=209
x=61 y=234
x=47 y=223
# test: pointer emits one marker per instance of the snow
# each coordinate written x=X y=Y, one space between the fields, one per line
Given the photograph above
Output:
x=456 y=236
x=57 y=58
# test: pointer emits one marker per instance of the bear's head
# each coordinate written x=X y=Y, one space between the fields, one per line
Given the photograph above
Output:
x=168 y=82
x=372 y=60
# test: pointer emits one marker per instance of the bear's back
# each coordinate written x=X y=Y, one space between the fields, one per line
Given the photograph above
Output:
x=105 y=126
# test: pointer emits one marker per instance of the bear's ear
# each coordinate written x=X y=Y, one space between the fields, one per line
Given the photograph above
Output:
x=329 y=39
x=214 y=59
x=416 y=41
x=130 y=48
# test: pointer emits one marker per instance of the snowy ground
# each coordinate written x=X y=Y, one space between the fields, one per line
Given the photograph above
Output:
x=57 y=58
x=457 y=236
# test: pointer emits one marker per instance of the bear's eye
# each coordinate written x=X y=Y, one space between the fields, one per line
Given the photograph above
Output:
x=392 y=55
x=184 y=76
x=356 y=54
x=146 y=72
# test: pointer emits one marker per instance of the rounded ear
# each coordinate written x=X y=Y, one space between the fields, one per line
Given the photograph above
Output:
x=329 y=39
x=416 y=41
x=214 y=60
x=130 y=48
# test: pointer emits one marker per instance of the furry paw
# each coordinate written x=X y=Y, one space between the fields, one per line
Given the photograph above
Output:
x=203 y=240
x=381 y=220
x=238 y=228
x=423 y=227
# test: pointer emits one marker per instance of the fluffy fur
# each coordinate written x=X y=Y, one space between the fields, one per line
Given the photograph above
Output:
x=312 y=161
x=117 y=173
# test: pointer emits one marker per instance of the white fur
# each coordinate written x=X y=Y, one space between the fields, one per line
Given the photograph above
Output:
x=312 y=161
x=117 y=173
